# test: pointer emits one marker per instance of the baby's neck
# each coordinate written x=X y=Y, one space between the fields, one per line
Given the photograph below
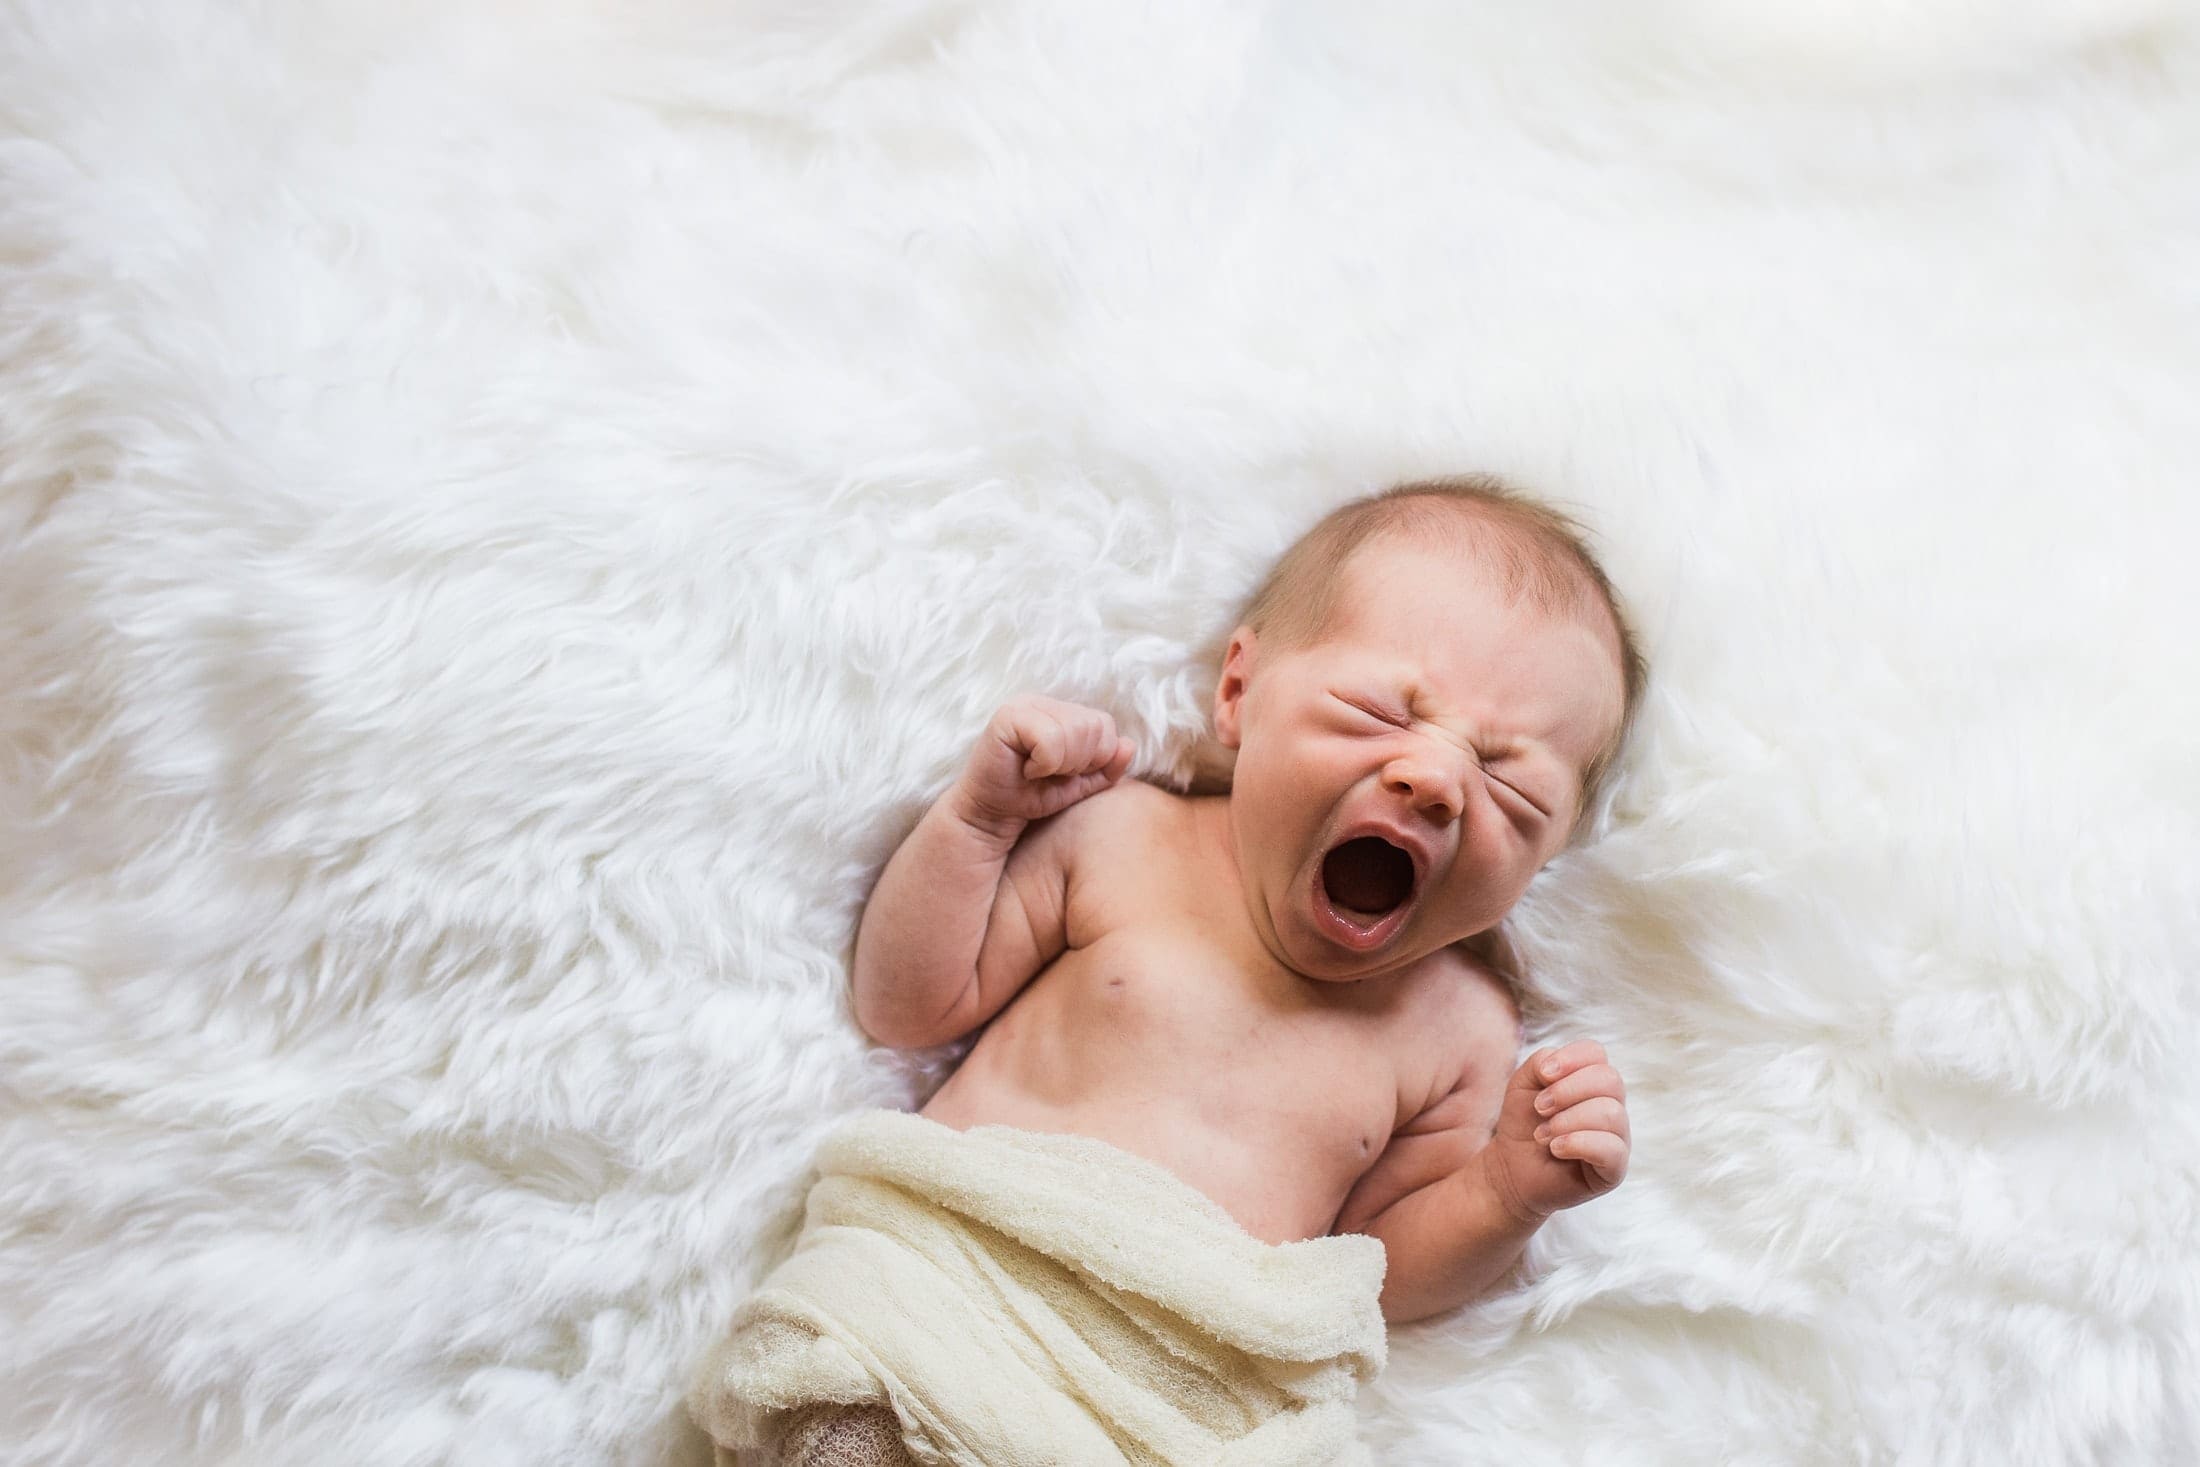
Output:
x=1214 y=846
x=1218 y=886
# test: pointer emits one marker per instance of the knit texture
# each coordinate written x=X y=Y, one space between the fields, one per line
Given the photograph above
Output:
x=1021 y=1298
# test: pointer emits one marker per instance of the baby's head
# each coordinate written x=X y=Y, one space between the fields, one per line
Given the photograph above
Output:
x=1423 y=696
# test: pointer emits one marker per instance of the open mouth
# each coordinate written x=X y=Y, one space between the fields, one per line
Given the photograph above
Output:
x=1364 y=887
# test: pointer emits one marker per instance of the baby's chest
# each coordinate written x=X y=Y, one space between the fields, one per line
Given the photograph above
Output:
x=1158 y=1000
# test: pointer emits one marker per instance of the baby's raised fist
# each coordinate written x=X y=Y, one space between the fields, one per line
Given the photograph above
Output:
x=1039 y=756
x=1562 y=1133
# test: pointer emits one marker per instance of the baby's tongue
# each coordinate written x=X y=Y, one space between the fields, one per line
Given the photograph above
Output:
x=1367 y=875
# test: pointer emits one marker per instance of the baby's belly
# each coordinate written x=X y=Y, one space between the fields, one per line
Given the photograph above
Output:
x=1273 y=1120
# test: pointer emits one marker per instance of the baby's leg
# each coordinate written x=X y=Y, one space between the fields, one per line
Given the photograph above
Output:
x=828 y=1435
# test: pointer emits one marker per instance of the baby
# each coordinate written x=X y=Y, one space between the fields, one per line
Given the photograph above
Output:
x=1264 y=994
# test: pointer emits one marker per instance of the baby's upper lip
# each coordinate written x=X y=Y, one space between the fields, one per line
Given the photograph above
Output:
x=1405 y=838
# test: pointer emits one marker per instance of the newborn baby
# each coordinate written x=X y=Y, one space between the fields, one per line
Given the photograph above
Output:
x=1259 y=996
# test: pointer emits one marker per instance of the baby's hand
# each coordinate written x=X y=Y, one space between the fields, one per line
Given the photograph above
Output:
x=1562 y=1135
x=1039 y=756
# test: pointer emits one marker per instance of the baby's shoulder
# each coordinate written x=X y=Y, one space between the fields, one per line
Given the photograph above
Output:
x=1129 y=808
x=1456 y=1038
x=1473 y=978
x=1467 y=1003
x=1129 y=826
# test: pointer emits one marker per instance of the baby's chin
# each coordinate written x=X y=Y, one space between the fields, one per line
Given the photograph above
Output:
x=1313 y=943
x=1311 y=953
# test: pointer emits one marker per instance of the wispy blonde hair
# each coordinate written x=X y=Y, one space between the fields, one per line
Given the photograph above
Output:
x=1538 y=553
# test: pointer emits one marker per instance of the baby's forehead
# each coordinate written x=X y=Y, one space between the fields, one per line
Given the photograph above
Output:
x=1428 y=609
x=1417 y=590
x=1465 y=546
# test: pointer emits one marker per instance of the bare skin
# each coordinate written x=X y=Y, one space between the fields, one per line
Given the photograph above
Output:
x=1175 y=977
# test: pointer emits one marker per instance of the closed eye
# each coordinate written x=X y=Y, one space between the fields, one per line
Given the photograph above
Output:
x=1400 y=720
x=1525 y=797
x=1395 y=720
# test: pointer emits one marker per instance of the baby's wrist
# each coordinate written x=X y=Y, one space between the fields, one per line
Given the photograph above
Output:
x=1491 y=1177
x=967 y=809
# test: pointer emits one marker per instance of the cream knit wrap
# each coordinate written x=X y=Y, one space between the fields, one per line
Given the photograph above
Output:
x=1020 y=1298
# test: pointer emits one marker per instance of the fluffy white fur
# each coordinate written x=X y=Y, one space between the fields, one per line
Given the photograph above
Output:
x=508 y=511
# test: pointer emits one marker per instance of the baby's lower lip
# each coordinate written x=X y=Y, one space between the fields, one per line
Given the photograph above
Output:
x=1351 y=934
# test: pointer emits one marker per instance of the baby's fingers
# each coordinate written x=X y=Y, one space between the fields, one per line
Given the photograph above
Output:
x=1074 y=746
x=1604 y=1154
x=1600 y=1114
x=1065 y=790
x=1553 y=1064
x=1045 y=743
x=1119 y=761
x=1581 y=1085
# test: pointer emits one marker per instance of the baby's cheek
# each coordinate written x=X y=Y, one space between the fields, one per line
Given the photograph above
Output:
x=1271 y=805
x=1498 y=872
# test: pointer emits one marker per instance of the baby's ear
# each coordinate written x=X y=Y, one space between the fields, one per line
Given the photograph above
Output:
x=1237 y=674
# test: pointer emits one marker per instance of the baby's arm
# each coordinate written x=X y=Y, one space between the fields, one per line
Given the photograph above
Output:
x=1455 y=1205
x=968 y=910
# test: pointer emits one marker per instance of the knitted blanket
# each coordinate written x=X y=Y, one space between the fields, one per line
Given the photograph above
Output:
x=1024 y=1298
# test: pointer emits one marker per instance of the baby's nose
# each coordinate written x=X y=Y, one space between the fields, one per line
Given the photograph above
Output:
x=1434 y=791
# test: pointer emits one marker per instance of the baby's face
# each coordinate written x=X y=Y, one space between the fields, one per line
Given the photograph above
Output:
x=1399 y=782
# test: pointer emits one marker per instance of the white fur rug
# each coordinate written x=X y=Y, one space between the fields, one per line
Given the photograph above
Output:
x=507 y=511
